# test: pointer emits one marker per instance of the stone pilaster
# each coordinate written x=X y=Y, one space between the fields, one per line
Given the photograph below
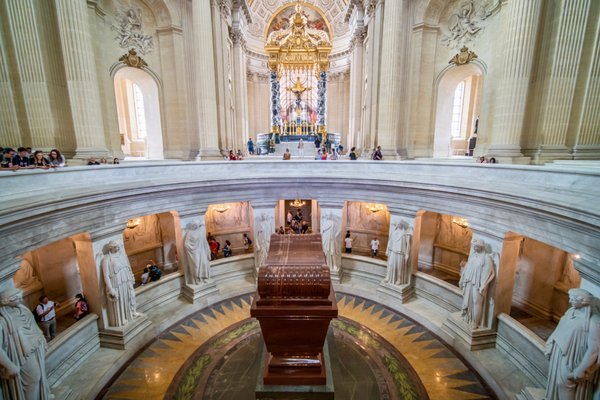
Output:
x=399 y=282
x=240 y=89
x=389 y=127
x=206 y=89
x=9 y=120
x=356 y=87
x=518 y=50
x=110 y=336
x=82 y=79
x=264 y=227
x=37 y=122
x=562 y=48
x=331 y=235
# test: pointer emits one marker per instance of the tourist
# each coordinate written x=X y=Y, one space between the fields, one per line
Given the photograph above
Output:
x=29 y=152
x=301 y=149
x=39 y=161
x=324 y=154
x=250 y=146
x=492 y=160
x=348 y=242
x=81 y=307
x=353 y=155
x=482 y=160
x=116 y=161
x=289 y=218
x=317 y=142
x=214 y=249
x=46 y=314
x=103 y=161
x=340 y=149
x=318 y=155
x=334 y=155
x=21 y=160
x=239 y=155
x=374 y=246
x=145 y=277
x=56 y=159
x=7 y=157
x=287 y=155
x=155 y=272
x=377 y=156
x=231 y=156
x=304 y=229
x=92 y=161
x=281 y=231
x=227 y=249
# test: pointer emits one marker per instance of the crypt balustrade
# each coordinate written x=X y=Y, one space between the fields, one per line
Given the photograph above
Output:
x=552 y=206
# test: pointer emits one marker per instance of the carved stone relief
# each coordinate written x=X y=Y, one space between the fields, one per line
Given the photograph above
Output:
x=465 y=24
x=128 y=25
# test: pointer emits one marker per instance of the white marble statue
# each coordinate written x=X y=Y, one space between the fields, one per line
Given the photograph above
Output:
x=264 y=228
x=196 y=254
x=574 y=351
x=22 y=351
x=475 y=279
x=25 y=277
x=398 y=253
x=118 y=285
x=331 y=229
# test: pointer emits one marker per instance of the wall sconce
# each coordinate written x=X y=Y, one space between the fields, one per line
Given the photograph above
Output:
x=575 y=256
x=375 y=207
x=297 y=203
x=132 y=223
x=462 y=222
x=221 y=208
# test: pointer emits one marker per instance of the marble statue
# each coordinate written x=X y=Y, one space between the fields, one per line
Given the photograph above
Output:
x=25 y=277
x=196 y=254
x=574 y=350
x=398 y=253
x=264 y=228
x=331 y=229
x=118 y=285
x=475 y=279
x=22 y=351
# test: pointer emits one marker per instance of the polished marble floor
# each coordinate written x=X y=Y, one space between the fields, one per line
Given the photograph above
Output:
x=375 y=354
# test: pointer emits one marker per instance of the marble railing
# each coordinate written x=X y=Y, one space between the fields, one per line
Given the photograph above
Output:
x=556 y=206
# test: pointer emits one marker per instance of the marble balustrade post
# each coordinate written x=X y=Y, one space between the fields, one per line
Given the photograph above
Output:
x=206 y=88
x=518 y=48
x=82 y=79
x=388 y=115
x=562 y=47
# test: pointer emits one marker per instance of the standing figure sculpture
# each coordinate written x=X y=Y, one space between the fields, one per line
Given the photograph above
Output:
x=196 y=254
x=264 y=228
x=22 y=351
x=476 y=276
x=330 y=235
x=573 y=350
x=118 y=285
x=398 y=253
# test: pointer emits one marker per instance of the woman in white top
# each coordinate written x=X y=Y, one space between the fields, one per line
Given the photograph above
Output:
x=348 y=242
x=301 y=148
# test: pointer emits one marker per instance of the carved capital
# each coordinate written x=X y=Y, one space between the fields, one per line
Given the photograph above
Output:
x=358 y=36
x=224 y=7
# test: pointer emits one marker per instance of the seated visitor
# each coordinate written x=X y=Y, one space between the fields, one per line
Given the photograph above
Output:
x=287 y=155
x=21 y=160
x=103 y=161
x=227 y=249
x=334 y=155
x=231 y=156
x=46 y=317
x=39 y=161
x=304 y=229
x=155 y=273
x=318 y=155
x=56 y=159
x=92 y=161
x=116 y=161
x=281 y=231
x=324 y=154
x=81 y=307
x=239 y=155
x=145 y=277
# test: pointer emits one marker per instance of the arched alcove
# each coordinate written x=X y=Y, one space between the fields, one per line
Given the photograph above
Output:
x=457 y=108
x=139 y=113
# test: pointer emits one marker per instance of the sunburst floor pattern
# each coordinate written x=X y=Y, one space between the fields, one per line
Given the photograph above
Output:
x=376 y=353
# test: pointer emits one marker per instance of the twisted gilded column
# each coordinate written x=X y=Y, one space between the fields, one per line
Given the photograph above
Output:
x=391 y=74
x=275 y=104
x=518 y=50
x=82 y=79
x=322 y=106
x=563 y=49
x=206 y=90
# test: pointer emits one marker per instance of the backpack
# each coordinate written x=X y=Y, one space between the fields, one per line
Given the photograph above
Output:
x=249 y=241
x=36 y=316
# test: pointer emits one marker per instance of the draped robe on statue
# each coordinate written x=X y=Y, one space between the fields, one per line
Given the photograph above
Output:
x=574 y=346
x=25 y=346
x=118 y=285
x=476 y=276
x=398 y=253
x=197 y=255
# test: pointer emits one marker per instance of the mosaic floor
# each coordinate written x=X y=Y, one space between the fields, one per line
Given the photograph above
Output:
x=375 y=354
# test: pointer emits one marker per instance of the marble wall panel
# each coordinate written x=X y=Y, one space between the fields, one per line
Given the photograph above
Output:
x=364 y=224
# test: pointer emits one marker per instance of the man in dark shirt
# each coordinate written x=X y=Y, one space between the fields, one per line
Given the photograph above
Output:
x=7 y=157
x=22 y=160
x=377 y=155
x=353 y=153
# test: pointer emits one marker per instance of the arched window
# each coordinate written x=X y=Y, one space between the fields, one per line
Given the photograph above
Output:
x=140 y=114
x=457 y=110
